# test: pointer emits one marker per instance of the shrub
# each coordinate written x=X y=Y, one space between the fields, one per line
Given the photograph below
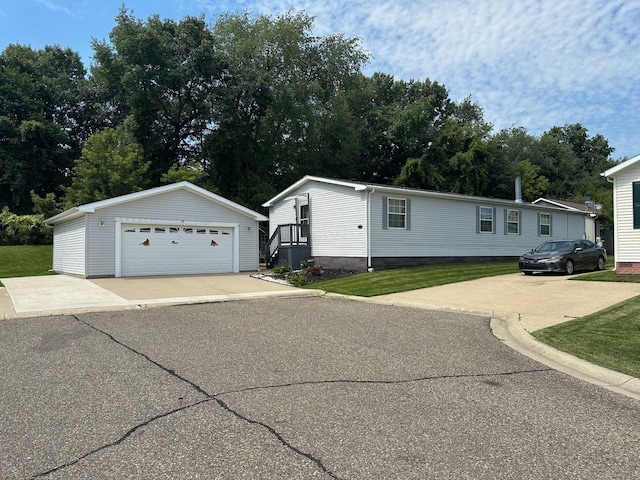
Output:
x=23 y=229
x=282 y=269
x=297 y=279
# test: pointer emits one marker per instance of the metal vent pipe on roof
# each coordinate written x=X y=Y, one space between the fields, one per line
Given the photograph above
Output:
x=518 y=189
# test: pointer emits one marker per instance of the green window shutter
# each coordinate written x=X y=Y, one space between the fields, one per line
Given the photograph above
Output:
x=477 y=219
x=407 y=205
x=385 y=218
x=636 y=204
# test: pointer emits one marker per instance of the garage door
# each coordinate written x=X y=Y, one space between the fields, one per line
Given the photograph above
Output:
x=171 y=250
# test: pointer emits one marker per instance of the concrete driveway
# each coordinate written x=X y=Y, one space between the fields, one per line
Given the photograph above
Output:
x=537 y=301
x=59 y=294
x=304 y=388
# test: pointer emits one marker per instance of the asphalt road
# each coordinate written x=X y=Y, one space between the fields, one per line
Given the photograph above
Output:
x=320 y=388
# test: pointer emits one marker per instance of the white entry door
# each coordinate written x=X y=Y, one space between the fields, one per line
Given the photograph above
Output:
x=175 y=250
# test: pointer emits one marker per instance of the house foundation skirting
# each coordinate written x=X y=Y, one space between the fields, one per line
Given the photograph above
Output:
x=385 y=263
x=354 y=264
x=628 y=268
x=359 y=264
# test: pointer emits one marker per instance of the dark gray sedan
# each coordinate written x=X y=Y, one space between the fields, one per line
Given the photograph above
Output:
x=566 y=256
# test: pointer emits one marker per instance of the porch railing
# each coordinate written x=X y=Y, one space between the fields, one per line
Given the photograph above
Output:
x=287 y=235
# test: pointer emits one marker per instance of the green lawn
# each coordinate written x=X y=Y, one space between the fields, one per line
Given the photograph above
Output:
x=610 y=338
x=25 y=260
x=412 y=278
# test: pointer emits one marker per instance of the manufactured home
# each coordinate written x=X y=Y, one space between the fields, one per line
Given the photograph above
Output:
x=626 y=214
x=592 y=214
x=360 y=226
x=170 y=230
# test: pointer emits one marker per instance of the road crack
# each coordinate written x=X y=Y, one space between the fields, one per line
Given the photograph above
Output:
x=208 y=397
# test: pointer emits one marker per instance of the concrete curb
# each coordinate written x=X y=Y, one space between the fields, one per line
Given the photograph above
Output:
x=513 y=334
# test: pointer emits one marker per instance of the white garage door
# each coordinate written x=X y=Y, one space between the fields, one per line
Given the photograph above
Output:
x=171 y=250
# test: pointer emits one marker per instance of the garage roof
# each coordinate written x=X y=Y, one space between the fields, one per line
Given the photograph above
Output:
x=93 y=207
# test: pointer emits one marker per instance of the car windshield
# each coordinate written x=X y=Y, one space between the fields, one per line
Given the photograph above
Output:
x=553 y=246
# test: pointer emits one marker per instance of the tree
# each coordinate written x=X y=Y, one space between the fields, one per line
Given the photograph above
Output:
x=516 y=153
x=40 y=121
x=111 y=164
x=281 y=105
x=164 y=77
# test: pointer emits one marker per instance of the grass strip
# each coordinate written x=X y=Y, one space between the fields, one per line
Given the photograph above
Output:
x=609 y=338
x=25 y=260
x=412 y=278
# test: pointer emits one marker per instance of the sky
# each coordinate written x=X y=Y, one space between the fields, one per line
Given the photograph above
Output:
x=528 y=63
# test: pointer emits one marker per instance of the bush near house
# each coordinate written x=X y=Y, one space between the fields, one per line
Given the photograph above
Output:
x=23 y=229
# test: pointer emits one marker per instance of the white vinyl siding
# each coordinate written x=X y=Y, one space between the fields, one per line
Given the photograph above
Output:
x=337 y=219
x=627 y=238
x=445 y=227
x=69 y=247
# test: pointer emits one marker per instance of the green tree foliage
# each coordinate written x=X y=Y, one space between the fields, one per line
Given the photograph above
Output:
x=164 y=77
x=40 y=121
x=249 y=105
x=111 y=164
x=282 y=113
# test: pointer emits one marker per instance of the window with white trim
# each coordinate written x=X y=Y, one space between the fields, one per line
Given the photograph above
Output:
x=486 y=219
x=397 y=212
x=513 y=222
x=545 y=224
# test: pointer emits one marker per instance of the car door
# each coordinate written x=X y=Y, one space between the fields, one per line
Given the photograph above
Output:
x=579 y=255
x=590 y=254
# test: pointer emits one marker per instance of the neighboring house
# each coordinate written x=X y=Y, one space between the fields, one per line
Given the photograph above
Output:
x=359 y=226
x=591 y=214
x=626 y=214
x=170 y=230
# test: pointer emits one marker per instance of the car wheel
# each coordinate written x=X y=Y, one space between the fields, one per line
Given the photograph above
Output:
x=600 y=263
x=569 y=267
x=528 y=273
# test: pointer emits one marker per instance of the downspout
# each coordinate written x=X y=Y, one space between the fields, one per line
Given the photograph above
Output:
x=369 y=266
x=615 y=250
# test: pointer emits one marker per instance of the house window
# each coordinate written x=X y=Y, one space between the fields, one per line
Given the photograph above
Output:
x=485 y=219
x=397 y=212
x=545 y=224
x=636 y=204
x=513 y=222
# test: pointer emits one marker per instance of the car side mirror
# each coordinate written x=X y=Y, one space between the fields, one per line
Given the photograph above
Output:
x=578 y=249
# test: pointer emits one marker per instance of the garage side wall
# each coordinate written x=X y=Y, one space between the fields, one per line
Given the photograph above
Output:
x=69 y=247
x=176 y=206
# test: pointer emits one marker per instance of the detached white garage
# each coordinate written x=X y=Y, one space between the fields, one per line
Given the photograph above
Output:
x=177 y=229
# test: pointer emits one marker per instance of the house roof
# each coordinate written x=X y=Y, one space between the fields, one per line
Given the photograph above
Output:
x=361 y=186
x=563 y=204
x=95 y=206
x=613 y=171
